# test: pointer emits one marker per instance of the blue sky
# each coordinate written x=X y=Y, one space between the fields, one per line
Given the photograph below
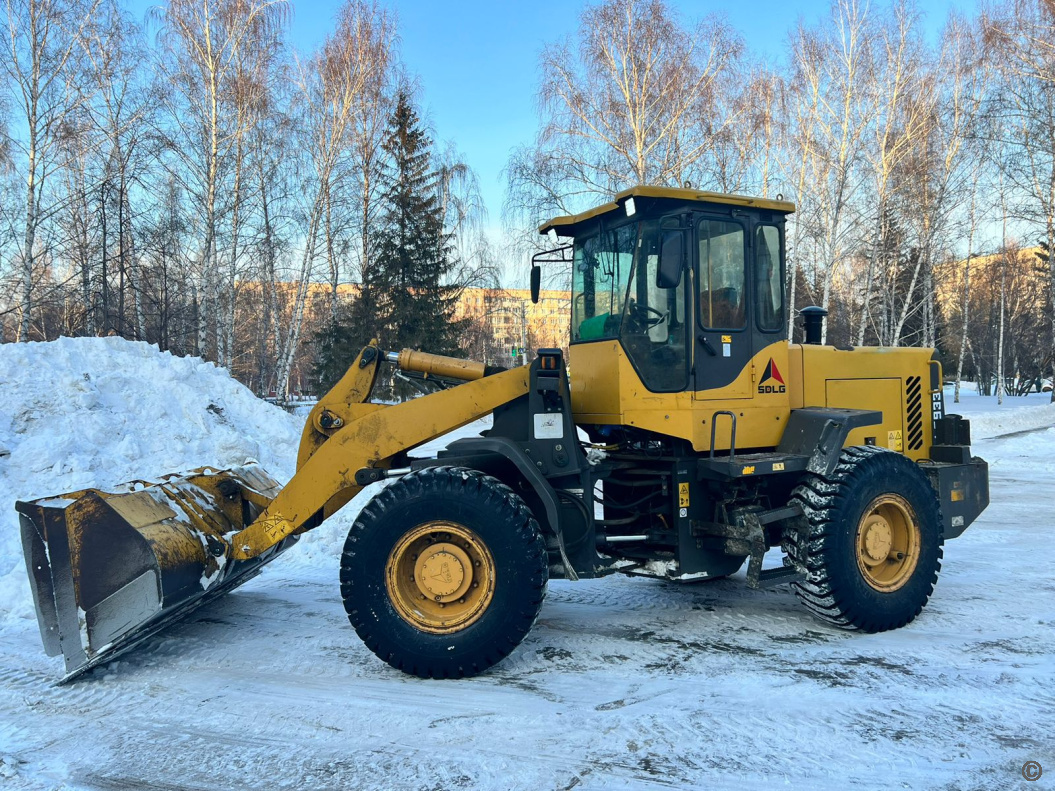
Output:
x=476 y=60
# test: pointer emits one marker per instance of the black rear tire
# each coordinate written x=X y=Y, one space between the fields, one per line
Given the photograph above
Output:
x=495 y=529
x=841 y=587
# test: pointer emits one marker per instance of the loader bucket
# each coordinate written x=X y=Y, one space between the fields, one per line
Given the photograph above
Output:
x=109 y=569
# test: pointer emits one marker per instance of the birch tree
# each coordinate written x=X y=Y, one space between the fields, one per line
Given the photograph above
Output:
x=1022 y=33
x=208 y=46
x=799 y=152
x=253 y=75
x=119 y=114
x=951 y=151
x=633 y=99
x=903 y=111
x=464 y=217
x=965 y=300
x=274 y=160
x=367 y=153
x=45 y=44
x=835 y=60
x=331 y=88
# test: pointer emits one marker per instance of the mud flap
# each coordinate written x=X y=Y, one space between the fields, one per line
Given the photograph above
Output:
x=109 y=569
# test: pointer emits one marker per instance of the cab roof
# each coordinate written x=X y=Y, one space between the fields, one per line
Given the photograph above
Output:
x=670 y=193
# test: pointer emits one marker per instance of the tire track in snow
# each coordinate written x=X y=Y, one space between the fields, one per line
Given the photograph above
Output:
x=356 y=757
x=623 y=684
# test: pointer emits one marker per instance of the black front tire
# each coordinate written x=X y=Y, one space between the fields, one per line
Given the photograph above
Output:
x=494 y=516
x=829 y=544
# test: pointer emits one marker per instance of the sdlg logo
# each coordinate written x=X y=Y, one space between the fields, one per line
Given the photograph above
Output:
x=773 y=378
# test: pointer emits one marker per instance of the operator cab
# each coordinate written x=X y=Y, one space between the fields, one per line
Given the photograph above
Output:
x=676 y=275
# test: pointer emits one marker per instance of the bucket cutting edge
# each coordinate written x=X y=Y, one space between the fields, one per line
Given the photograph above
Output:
x=110 y=568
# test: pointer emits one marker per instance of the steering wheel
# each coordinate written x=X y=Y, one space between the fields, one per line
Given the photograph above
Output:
x=646 y=315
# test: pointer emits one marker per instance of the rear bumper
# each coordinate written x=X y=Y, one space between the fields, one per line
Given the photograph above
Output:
x=963 y=491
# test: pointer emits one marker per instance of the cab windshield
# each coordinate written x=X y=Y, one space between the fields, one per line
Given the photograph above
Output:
x=601 y=271
x=615 y=295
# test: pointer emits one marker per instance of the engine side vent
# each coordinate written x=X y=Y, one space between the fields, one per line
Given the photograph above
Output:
x=914 y=402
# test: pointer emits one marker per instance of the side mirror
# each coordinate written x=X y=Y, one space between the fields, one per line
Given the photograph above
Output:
x=671 y=260
x=536 y=282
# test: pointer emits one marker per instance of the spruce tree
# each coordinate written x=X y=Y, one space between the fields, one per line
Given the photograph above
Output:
x=405 y=300
x=339 y=342
x=334 y=349
x=414 y=250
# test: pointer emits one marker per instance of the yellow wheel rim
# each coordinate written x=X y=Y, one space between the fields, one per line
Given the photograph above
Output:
x=888 y=543
x=440 y=577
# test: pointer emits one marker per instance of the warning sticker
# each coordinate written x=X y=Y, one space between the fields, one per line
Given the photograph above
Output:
x=893 y=440
x=683 y=495
x=549 y=426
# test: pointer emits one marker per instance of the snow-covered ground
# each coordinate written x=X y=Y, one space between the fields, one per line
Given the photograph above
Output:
x=623 y=683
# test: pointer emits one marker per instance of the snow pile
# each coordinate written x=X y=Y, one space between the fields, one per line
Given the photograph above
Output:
x=82 y=412
x=990 y=419
x=998 y=423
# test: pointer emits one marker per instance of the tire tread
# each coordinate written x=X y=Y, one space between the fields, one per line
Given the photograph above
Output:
x=823 y=499
x=528 y=544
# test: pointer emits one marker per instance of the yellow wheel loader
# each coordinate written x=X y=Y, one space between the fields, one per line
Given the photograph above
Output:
x=683 y=437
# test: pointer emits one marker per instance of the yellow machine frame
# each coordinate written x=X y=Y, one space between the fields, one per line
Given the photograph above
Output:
x=606 y=390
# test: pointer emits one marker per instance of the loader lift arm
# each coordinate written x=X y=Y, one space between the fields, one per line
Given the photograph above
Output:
x=110 y=568
x=345 y=434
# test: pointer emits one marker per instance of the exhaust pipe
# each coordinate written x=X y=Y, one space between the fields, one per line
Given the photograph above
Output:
x=109 y=569
x=812 y=324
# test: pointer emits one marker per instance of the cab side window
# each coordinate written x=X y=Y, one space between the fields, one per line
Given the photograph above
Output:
x=722 y=273
x=769 y=283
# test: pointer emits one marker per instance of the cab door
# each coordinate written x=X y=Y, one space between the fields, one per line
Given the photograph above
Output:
x=723 y=341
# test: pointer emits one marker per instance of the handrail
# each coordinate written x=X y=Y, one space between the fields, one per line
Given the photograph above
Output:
x=732 y=437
